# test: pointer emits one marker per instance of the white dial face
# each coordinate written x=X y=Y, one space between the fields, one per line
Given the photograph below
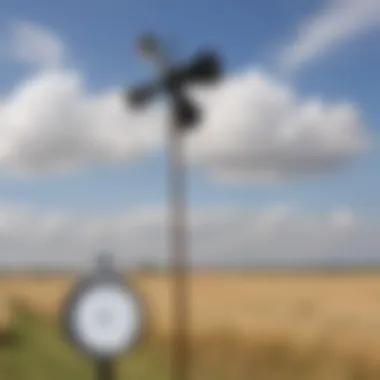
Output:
x=106 y=319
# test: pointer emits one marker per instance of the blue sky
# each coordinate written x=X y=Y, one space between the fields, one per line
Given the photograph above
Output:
x=101 y=39
x=335 y=64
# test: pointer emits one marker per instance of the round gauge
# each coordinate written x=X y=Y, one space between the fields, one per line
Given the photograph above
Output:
x=104 y=319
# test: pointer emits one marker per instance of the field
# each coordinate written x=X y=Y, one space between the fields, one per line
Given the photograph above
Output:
x=243 y=327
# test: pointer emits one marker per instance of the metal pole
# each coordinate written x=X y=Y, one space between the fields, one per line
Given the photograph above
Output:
x=181 y=312
x=204 y=69
x=105 y=370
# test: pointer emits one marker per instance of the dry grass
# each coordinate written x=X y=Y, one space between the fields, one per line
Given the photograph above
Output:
x=6 y=315
x=304 y=318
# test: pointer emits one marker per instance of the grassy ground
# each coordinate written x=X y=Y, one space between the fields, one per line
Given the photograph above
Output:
x=265 y=328
x=33 y=350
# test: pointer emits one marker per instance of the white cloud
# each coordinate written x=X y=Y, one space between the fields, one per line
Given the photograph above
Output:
x=51 y=123
x=257 y=128
x=254 y=128
x=35 y=45
x=275 y=234
x=334 y=25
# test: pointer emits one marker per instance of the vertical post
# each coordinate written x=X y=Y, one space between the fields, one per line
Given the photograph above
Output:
x=204 y=69
x=181 y=312
x=105 y=370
